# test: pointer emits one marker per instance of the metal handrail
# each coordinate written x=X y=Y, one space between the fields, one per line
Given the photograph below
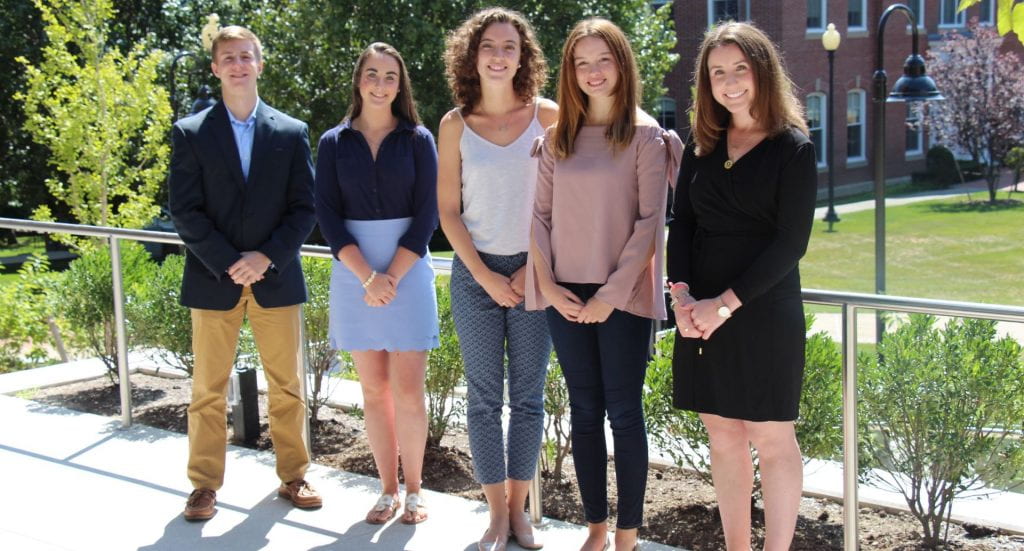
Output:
x=850 y=304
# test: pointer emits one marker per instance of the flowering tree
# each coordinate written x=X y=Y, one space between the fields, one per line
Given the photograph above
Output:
x=1009 y=15
x=984 y=109
x=100 y=113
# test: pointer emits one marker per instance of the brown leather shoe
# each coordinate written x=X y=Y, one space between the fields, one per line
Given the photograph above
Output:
x=301 y=494
x=200 y=504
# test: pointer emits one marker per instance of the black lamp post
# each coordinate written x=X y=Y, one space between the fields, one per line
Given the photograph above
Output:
x=914 y=85
x=174 y=89
x=830 y=40
x=204 y=99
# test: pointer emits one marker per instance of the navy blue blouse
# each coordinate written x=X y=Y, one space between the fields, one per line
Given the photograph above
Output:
x=401 y=183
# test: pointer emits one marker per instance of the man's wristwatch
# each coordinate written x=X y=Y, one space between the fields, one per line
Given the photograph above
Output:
x=723 y=310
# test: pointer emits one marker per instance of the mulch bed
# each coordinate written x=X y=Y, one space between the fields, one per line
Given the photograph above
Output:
x=680 y=508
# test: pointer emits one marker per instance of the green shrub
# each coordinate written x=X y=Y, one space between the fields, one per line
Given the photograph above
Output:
x=944 y=407
x=556 y=421
x=85 y=298
x=681 y=433
x=25 y=316
x=159 y=321
x=444 y=370
x=941 y=165
x=316 y=312
x=1015 y=161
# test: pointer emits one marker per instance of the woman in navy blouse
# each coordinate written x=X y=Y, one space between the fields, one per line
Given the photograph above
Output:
x=376 y=201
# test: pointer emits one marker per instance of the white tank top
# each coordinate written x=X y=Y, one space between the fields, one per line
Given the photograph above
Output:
x=498 y=184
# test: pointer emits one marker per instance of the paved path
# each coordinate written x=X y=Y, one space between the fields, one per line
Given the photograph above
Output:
x=977 y=190
x=76 y=481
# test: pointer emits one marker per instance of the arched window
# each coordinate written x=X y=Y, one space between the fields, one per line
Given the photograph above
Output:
x=816 y=122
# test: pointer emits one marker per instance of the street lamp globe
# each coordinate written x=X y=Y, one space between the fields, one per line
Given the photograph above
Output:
x=830 y=38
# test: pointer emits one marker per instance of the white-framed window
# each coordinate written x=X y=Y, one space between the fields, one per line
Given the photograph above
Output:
x=916 y=6
x=857 y=15
x=987 y=12
x=855 y=115
x=915 y=130
x=667 y=113
x=816 y=122
x=817 y=14
x=723 y=10
x=948 y=16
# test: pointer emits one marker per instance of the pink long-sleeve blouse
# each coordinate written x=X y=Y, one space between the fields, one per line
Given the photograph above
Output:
x=599 y=216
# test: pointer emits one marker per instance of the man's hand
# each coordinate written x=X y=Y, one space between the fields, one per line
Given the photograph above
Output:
x=250 y=268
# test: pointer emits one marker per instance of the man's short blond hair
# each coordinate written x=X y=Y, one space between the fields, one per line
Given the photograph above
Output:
x=236 y=32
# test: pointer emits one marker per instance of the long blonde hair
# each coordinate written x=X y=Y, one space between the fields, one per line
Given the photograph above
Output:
x=775 y=105
x=573 y=103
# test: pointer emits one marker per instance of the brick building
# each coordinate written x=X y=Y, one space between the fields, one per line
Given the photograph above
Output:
x=796 y=27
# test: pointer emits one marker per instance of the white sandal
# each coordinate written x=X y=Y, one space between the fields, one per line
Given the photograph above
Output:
x=415 y=509
x=384 y=503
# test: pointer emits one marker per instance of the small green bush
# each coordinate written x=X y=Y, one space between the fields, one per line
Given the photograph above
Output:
x=316 y=313
x=557 y=444
x=159 y=321
x=25 y=316
x=444 y=370
x=85 y=298
x=941 y=166
x=944 y=407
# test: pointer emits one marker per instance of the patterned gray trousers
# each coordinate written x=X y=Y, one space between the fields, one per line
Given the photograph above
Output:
x=487 y=334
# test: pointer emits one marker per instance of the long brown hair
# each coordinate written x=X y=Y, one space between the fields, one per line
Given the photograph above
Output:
x=775 y=105
x=572 y=102
x=462 y=49
x=404 y=106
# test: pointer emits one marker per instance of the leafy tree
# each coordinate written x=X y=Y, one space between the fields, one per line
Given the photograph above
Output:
x=984 y=108
x=1009 y=16
x=944 y=409
x=22 y=164
x=100 y=113
x=316 y=88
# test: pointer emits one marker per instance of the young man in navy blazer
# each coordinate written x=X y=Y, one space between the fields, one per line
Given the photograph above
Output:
x=241 y=197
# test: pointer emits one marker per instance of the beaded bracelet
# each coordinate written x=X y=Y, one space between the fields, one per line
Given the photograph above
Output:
x=369 y=280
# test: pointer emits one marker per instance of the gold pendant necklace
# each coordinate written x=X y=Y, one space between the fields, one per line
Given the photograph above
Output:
x=728 y=164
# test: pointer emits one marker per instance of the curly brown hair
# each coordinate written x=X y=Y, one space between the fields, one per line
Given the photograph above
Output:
x=775 y=106
x=461 y=50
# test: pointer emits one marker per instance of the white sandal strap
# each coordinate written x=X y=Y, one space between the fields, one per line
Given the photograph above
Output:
x=413 y=502
x=384 y=503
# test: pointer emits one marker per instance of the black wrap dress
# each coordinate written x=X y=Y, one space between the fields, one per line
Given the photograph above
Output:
x=744 y=228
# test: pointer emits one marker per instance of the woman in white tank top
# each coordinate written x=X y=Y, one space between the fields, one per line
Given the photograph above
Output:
x=486 y=181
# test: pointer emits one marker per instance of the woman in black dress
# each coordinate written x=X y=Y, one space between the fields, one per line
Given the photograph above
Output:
x=742 y=216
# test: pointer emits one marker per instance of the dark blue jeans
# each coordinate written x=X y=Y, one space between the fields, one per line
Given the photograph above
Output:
x=604 y=366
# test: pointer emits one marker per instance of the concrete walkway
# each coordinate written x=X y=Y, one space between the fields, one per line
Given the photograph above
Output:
x=76 y=481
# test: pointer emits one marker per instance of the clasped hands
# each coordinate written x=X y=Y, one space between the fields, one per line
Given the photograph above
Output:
x=505 y=291
x=696 y=319
x=572 y=308
x=250 y=268
x=382 y=290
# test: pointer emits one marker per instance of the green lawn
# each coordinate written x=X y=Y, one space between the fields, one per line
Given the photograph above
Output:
x=946 y=249
x=26 y=245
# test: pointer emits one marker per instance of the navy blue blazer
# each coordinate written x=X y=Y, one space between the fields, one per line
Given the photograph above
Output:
x=218 y=214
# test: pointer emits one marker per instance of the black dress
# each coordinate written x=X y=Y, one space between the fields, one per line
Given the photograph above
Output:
x=744 y=228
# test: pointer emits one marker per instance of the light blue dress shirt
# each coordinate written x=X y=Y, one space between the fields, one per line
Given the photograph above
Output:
x=244 y=132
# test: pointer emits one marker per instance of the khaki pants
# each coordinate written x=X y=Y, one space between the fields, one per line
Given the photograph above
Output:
x=214 y=340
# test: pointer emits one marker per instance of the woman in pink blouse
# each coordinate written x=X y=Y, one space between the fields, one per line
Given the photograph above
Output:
x=595 y=262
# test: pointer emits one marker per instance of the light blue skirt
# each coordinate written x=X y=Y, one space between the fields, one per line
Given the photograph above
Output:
x=409 y=322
